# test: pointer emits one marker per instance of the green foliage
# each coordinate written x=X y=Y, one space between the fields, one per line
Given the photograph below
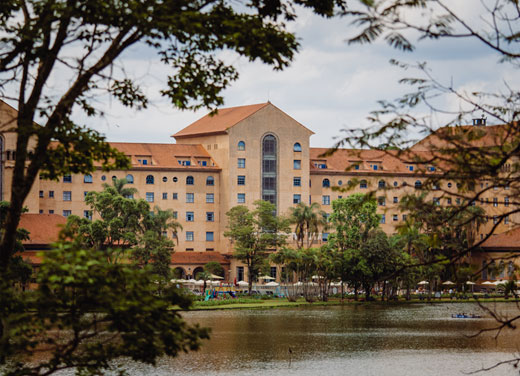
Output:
x=309 y=219
x=214 y=267
x=88 y=312
x=254 y=233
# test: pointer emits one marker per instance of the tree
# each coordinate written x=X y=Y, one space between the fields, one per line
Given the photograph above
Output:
x=353 y=218
x=82 y=297
x=254 y=234
x=214 y=267
x=309 y=219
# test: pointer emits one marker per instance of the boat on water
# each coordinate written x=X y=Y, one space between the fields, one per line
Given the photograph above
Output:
x=465 y=316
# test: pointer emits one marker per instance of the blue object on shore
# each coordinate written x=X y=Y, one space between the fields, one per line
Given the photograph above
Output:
x=465 y=316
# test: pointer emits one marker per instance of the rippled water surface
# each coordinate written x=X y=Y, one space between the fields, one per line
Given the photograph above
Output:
x=374 y=340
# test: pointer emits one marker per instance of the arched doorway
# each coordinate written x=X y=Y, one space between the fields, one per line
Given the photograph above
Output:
x=196 y=271
x=179 y=273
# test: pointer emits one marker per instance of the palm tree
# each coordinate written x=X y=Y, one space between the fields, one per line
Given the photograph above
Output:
x=162 y=220
x=119 y=186
x=308 y=220
x=205 y=276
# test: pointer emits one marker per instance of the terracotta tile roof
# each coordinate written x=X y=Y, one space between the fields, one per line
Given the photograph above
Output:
x=43 y=228
x=343 y=159
x=506 y=241
x=198 y=258
x=465 y=136
x=221 y=121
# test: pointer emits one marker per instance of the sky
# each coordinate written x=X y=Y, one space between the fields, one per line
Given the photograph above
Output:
x=330 y=85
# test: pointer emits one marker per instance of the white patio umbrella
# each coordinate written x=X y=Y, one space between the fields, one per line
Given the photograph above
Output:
x=191 y=280
x=200 y=282
x=242 y=283
x=266 y=277
x=488 y=283
x=448 y=283
x=423 y=283
x=272 y=284
x=214 y=276
x=500 y=282
x=470 y=283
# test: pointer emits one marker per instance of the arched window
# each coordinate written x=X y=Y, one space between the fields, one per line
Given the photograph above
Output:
x=130 y=179
x=325 y=183
x=381 y=184
x=484 y=270
x=87 y=179
x=501 y=270
x=210 y=180
x=269 y=168
x=363 y=184
x=114 y=177
x=241 y=145
x=418 y=184
x=396 y=184
x=297 y=147
x=149 y=179
x=190 y=180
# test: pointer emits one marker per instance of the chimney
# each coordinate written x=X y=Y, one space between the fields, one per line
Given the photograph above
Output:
x=481 y=121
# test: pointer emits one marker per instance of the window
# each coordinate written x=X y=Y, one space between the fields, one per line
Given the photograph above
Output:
x=85 y=193
x=209 y=236
x=356 y=167
x=165 y=196
x=185 y=162
x=51 y=211
x=190 y=180
x=67 y=195
x=203 y=163
x=87 y=179
x=190 y=198
x=114 y=177
x=297 y=181
x=189 y=236
x=395 y=217
x=325 y=183
x=495 y=202
x=190 y=216
x=495 y=219
x=381 y=201
x=103 y=178
x=175 y=196
x=241 y=180
x=363 y=184
x=381 y=184
x=130 y=179
x=506 y=201
x=241 y=198
x=149 y=179
x=431 y=168
x=297 y=147
x=410 y=168
x=174 y=179
x=449 y=185
x=67 y=179
x=241 y=145
x=297 y=164
x=396 y=184
x=87 y=214
x=448 y=201
x=436 y=201
x=241 y=163
x=40 y=211
x=297 y=199
x=340 y=182
x=506 y=186
x=210 y=216
x=457 y=200
x=41 y=194
x=383 y=218
x=418 y=184
x=325 y=236
x=404 y=217
x=506 y=219
x=272 y=272
x=175 y=215
x=66 y=213
x=210 y=198
x=164 y=179
x=240 y=273
x=325 y=200
x=51 y=194
x=210 y=180
x=396 y=200
x=149 y=196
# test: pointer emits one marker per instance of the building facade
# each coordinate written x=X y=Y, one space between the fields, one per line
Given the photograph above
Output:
x=236 y=157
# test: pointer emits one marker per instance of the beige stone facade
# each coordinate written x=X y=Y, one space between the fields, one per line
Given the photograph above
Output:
x=236 y=157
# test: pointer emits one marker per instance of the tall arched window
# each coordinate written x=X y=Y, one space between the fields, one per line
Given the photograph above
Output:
x=297 y=147
x=210 y=180
x=363 y=184
x=149 y=179
x=130 y=179
x=190 y=180
x=381 y=184
x=325 y=183
x=484 y=270
x=418 y=184
x=269 y=168
x=241 y=145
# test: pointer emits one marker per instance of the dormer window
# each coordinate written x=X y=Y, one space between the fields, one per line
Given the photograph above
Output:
x=184 y=162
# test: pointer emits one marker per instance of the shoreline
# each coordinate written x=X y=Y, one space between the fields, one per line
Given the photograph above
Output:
x=283 y=303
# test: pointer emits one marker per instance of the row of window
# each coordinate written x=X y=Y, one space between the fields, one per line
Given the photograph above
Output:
x=190 y=236
x=297 y=147
x=190 y=216
x=150 y=196
x=150 y=179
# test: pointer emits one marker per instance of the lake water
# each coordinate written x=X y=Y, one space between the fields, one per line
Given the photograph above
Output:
x=345 y=340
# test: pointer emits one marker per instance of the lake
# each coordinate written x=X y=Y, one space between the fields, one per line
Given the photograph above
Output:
x=374 y=339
